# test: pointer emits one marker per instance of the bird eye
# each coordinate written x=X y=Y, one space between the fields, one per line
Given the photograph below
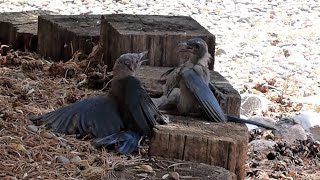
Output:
x=126 y=62
x=197 y=46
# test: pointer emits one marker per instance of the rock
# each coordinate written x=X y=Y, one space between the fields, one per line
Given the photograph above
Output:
x=251 y=126
x=260 y=119
x=261 y=145
x=253 y=102
x=219 y=52
x=62 y=160
x=47 y=135
x=32 y=128
x=315 y=133
x=146 y=168
x=174 y=176
x=75 y=159
x=284 y=124
x=307 y=119
x=296 y=132
x=165 y=176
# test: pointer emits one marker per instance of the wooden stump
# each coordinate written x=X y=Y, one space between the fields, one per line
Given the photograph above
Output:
x=187 y=138
x=160 y=35
x=227 y=96
x=19 y=29
x=61 y=36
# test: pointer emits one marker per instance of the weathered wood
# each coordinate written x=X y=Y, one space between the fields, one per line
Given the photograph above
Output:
x=191 y=139
x=227 y=96
x=61 y=36
x=160 y=35
x=19 y=29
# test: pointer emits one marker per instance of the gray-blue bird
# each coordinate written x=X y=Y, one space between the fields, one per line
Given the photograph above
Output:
x=194 y=88
x=119 y=118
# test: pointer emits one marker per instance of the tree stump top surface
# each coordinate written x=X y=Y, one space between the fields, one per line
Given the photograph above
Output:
x=25 y=22
x=82 y=25
x=201 y=127
x=156 y=24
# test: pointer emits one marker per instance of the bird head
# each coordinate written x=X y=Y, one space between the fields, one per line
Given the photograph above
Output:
x=129 y=62
x=196 y=46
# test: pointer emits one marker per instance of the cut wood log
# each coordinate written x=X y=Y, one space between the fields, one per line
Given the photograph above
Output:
x=61 y=36
x=196 y=140
x=160 y=35
x=19 y=29
x=228 y=98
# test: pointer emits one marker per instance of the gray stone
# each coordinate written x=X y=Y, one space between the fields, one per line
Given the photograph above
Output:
x=261 y=145
x=307 y=119
x=62 y=160
x=315 y=132
x=253 y=102
x=32 y=128
x=295 y=132
x=75 y=159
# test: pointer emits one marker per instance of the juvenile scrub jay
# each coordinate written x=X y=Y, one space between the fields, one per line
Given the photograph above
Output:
x=119 y=118
x=194 y=88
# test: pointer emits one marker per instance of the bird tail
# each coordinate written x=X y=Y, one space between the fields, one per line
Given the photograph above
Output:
x=126 y=141
x=240 y=120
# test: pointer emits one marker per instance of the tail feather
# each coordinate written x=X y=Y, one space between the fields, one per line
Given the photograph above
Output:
x=126 y=142
x=240 y=120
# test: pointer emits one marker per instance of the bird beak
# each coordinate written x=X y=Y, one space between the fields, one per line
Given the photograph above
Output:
x=184 y=47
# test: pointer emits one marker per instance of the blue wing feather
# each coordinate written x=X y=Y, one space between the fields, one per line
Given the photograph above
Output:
x=204 y=95
x=97 y=116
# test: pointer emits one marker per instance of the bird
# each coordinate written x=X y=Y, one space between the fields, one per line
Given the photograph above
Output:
x=191 y=80
x=119 y=118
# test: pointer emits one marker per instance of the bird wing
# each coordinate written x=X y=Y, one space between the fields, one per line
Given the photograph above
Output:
x=167 y=72
x=203 y=94
x=171 y=80
x=144 y=113
x=97 y=116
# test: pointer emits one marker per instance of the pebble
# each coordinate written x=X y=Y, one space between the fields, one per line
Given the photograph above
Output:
x=62 y=159
x=252 y=102
x=75 y=159
x=307 y=119
x=32 y=128
x=261 y=145
x=174 y=176
x=315 y=133
x=295 y=132
x=146 y=168
x=47 y=135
